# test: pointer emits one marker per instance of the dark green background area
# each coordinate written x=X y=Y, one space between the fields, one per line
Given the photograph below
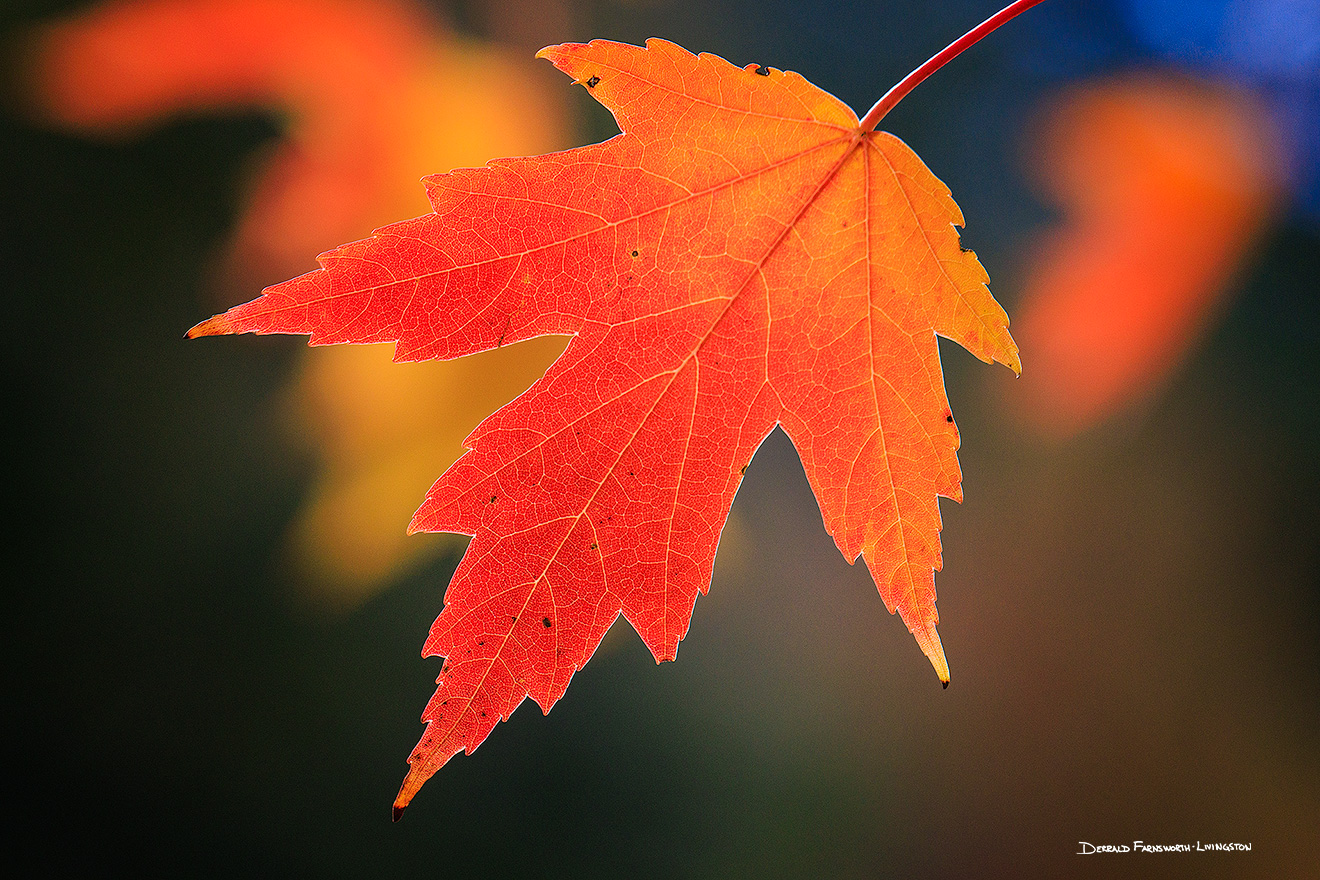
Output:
x=1132 y=618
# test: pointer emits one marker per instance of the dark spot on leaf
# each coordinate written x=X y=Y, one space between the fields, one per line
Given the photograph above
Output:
x=480 y=644
x=965 y=250
x=593 y=82
x=635 y=253
x=483 y=714
x=631 y=474
x=593 y=546
x=743 y=469
x=761 y=71
x=514 y=619
x=546 y=621
x=492 y=499
x=945 y=685
x=949 y=418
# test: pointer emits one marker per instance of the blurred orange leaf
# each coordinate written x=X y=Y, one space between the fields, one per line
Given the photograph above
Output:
x=350 y=75
x=1165 y=184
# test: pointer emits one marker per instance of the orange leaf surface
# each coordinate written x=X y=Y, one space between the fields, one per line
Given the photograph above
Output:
x=744 y=255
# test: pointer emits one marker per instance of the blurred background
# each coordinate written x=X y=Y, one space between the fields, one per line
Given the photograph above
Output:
x=215 y=617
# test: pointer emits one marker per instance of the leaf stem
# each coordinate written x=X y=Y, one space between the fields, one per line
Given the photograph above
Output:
x=953 y=50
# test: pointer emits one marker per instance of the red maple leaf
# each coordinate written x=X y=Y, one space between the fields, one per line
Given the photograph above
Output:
x=746 y=254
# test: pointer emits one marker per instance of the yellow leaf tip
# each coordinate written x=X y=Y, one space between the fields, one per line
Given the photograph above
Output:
x=929 y=642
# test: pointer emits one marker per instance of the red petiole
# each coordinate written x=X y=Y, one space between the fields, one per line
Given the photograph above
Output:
x=953 y=50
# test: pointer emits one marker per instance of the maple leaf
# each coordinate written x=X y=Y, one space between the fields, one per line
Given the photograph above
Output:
x=746 y=254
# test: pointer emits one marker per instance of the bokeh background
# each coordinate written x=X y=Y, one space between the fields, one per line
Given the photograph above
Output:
x=214 y=618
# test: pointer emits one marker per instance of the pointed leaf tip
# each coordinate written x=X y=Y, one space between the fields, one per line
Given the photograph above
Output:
x=1014 y=363
x=412 y=783
x=220 y=325
x=929 y=641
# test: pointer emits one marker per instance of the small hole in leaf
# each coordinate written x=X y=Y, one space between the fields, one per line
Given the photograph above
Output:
x=593 y=82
